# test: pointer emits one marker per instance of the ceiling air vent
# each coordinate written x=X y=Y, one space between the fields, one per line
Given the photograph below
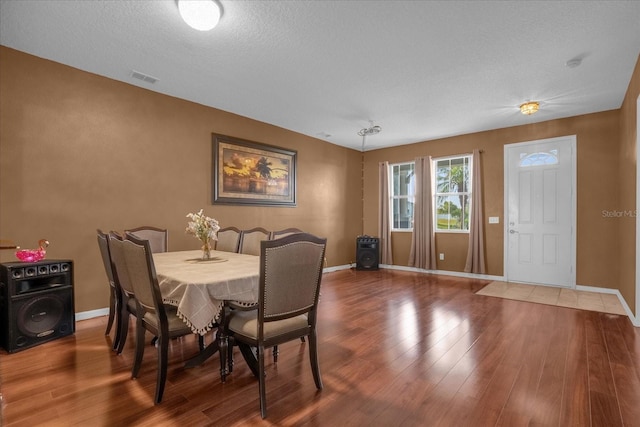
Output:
x=144 y=77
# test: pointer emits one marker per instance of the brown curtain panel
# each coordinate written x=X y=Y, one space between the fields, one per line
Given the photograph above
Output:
x=384 y=227
x=475 y=254
x=423 y=252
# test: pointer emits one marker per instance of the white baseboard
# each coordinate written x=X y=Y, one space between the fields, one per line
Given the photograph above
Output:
x=634 y=320
x=84 y=315
x=443 y=272
x=336 y=268
x=421 y=270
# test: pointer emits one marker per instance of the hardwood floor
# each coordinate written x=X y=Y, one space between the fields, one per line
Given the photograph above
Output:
x=396 y=348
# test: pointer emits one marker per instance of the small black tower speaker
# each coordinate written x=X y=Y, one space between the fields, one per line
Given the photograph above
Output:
x=367 y=253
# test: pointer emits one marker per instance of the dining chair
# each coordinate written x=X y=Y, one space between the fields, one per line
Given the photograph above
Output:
x=278 y=235
x=232 y=305
x=290 y=276
x=284 y=233
x=228 y=239
x=128 y=299
x=153 y=315
x=159 y=242
x=249 y=245
x=115 y=294
x=250 y=240
x=127 y=295
x=158 y=237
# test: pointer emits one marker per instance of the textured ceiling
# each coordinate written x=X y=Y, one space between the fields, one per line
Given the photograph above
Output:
x=420 y=70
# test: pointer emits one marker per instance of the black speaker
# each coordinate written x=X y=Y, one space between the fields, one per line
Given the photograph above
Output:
x=367 y=253
x=36 y=303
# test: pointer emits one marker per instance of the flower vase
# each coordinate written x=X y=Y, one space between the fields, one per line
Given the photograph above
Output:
x=206 y=251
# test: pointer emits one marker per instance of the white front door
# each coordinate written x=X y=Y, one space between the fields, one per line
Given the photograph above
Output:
x=540 y=216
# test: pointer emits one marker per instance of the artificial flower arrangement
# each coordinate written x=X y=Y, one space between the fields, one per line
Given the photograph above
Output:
x=204 y=229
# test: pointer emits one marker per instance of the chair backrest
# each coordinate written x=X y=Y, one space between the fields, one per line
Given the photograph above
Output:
x=290 y=275
x=138 y=255
x=284 y=233
x=103 y=244
x=250 y=240
x=228 y=239
x=158 y=237
x=118 y=261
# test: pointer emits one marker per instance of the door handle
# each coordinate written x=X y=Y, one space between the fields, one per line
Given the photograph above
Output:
x=512 y=231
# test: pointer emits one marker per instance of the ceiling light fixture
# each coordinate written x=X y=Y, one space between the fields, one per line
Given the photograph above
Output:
x=201 y=15
x=529 y=108
x=371 y=130
x=573 y=63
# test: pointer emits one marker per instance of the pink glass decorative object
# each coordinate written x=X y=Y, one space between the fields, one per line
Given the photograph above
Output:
x=33 y=255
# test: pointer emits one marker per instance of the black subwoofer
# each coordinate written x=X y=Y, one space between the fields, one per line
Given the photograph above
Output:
x=36 y=303
x=367 y=253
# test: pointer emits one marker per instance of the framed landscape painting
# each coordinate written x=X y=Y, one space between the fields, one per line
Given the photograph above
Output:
x=252 y=173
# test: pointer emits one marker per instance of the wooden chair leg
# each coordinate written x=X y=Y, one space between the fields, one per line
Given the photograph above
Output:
x=231 y=342
x=201 y=345
x=118 y=336
x=275 y=354
x=261 y=382
x=112 y=310
x=116 y=339
x=223 y=343
x=313 y=358
x=137 y=362
x=163 y=354
x=123 y=327
x=118 y=321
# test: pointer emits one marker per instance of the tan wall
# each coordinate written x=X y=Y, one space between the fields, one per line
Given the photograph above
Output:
x=627 y=180
x=598 y=144
x=80 y=152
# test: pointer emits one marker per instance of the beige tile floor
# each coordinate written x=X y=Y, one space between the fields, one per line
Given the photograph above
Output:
x=593 y=301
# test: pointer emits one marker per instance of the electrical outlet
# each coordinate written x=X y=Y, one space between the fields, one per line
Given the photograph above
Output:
x=442 y=257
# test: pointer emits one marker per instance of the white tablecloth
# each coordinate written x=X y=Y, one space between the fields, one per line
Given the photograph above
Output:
x=199 y=288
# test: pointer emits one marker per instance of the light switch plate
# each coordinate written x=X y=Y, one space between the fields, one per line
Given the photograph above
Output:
x=494 y=220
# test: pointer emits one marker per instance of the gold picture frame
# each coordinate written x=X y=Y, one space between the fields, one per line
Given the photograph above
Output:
x=252 y=173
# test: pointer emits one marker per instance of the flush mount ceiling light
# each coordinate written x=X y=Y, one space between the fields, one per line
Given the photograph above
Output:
x=528 y=108
x=201 y=15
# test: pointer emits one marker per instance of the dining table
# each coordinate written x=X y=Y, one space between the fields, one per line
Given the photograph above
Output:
x=200 y=289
